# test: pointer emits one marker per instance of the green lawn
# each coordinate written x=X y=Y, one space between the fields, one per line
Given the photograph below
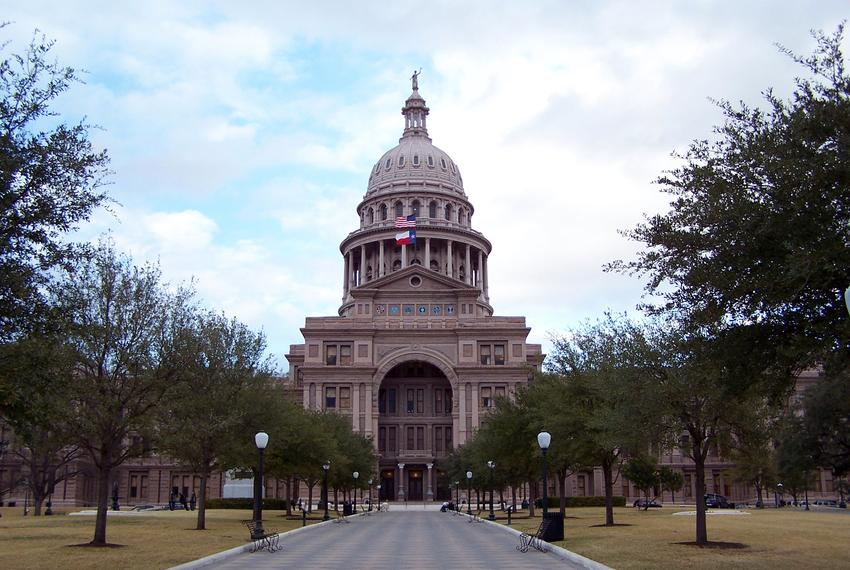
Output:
x=157 y=540
x=771 y=539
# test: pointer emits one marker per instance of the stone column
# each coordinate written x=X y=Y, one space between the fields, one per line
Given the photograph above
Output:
x=486 y=282
x=461 y=416
x=468 y=278
x=367 y=410
x=362 y=264
x=427 y=253
x=403 y=255
x=475 y=406
x=381 y=259
x=355 y=406
x=480 y=283
x=401 y=481
x=430 y=466
x=449 y=269
x=345 y=275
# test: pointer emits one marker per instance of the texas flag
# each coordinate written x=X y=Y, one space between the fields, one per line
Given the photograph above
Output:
x=406 y=238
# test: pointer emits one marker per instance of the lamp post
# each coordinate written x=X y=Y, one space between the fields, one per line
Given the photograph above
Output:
x=356 y=475
x=378 y=487
x=781 y=493
x=543 y=440
x=457 y=495
x=325 y=468
x=261 y=439
x=469 y=493
x=492 y=466
x=370 y=494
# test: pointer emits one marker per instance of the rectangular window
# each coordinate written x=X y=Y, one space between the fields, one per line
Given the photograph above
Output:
x=499 y=354
x=420 y=438
x=330 y=398
x=134 y=486
x=484 y=352
x=410 y=401
x=486 y=397
x=448 y=433
x=345 y=354
x=330 y=355
x=410 y=434
x=382 y=401
x=438 y=401
x=382 y=439
x=345 y=398
x=438 y=439
x=391 y=401
x=448 y=401
x=393 y=444
x=420 y=401
x=500 y=392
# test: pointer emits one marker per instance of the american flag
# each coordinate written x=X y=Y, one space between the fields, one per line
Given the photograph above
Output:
x=405 y=222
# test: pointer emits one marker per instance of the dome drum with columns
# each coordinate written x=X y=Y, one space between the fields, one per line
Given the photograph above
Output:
x=415 y=357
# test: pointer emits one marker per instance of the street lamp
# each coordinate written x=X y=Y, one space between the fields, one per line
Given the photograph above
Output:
x=781 y=493
x=457 y=495
x=262 y=440
x=492 y=466
x=370 y=494
x=378 y=487
x=325 y=468
x=356 y=475
x=469 y=493
x=543 y=440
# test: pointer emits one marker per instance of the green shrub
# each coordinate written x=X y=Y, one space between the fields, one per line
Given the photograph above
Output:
x=270 y=504
x=572 y=502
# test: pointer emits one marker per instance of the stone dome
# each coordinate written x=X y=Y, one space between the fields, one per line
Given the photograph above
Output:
x=415 y=159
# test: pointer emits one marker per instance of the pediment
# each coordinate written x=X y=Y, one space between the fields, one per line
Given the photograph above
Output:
x=415 y=278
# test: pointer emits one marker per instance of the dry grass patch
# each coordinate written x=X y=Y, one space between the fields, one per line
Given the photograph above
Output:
x=156 y=540
x=766 y=539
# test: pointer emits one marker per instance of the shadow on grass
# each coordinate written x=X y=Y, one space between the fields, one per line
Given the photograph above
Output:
x=716 y=545
x=93 y=545
x=609 y=525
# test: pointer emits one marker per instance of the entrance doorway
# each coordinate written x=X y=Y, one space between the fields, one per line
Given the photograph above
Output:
x=415 y=485
x=387 y=485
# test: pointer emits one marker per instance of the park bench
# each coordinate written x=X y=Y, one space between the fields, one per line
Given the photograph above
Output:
x=269 y=540
x=526 y=541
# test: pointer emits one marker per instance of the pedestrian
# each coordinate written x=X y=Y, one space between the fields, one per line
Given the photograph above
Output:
x=183 y=501
x=193 y=501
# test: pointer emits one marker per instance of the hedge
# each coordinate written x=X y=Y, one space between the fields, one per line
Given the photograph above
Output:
x=555 y=502
x=270 y=504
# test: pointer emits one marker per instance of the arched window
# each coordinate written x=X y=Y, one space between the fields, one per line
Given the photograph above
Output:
x=461 y=272
x=401 y=161
x=383 y=211
x=414 y=208
x=415 y=261
x=432 y=210
x=399 y=209
x=460 y=215
x=371 y=216
x=396 y=265
x=434 y=265
x=416 y=160
x=448 y=212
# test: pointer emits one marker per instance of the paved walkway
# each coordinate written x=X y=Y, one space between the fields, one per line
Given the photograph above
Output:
x=398 y=539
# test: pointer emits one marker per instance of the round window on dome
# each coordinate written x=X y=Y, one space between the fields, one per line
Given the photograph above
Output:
x=415 y=160
x=389 y=163
x=443 y=163
x=401 y=161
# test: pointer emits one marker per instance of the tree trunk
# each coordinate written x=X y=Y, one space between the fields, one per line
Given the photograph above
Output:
x=513 y=497
x=562 y=491
x=289 y=496
x=608 y=477
x=309 y=498
x=102 y=506
x=202 y=502
x=699 y=470
x=532 y=492
x=759 y=501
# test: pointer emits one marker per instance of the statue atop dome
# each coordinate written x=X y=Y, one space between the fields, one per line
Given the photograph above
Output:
x=415 y=79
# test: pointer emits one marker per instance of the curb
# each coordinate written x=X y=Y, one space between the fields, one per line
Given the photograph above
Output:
x=556 y=551
x=237 y=550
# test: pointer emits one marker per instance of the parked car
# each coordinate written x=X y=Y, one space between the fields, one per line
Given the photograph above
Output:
x=715 y=501
x=643 y=503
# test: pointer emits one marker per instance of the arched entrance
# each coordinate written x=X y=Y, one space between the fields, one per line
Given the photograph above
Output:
x=415 y=431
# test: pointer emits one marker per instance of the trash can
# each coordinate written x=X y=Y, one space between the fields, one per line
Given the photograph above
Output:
x=554 y=527
x=347 y=509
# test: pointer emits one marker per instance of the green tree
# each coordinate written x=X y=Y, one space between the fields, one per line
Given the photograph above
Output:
x=50 y=181
x=826 y=421
x=642 y=471
x=124 y=329
x=670 y=480
x=220 y=361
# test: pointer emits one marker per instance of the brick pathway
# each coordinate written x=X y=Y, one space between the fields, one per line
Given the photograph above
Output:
x=410 y=540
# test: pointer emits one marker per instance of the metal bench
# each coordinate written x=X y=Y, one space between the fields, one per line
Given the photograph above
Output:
x=526 y=541
x=270 y=539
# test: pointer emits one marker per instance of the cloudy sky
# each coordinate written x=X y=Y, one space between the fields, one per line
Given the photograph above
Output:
x=242 y=133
